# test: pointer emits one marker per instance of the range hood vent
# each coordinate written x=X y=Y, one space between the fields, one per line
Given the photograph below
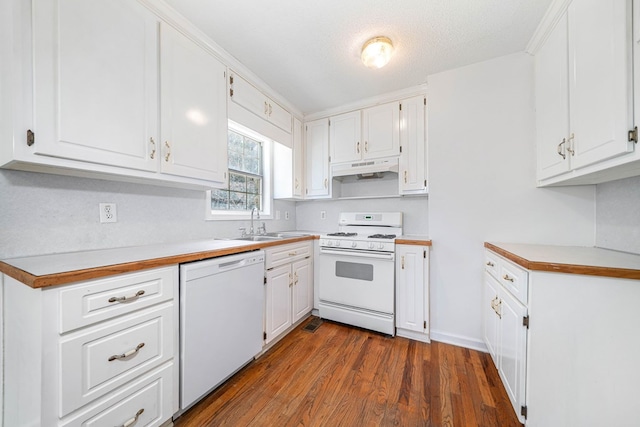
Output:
x=366 y=169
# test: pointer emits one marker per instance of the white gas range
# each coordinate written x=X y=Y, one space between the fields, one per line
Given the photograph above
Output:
x=357 y=270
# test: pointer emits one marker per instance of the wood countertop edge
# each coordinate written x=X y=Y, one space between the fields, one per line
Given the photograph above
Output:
x=67 y=277
x=588 y=270
x=410 y=241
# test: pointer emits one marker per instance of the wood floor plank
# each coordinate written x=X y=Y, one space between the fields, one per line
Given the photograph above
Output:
x=345 y=376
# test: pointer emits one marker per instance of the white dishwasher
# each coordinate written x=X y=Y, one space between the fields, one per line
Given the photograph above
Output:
x=221 y=315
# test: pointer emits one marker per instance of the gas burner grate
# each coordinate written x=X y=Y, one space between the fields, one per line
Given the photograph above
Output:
x=382 y=236
x=342 y=234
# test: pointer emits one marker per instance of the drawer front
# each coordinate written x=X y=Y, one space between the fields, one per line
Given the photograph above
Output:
x=97 y=361
x=515 y=279
x=283 y=254
x=151 y=397
x=98 y=300
x=491 y=263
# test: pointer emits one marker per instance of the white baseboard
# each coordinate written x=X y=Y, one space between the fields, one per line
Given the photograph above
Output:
x=413 y=335
x=459 y=340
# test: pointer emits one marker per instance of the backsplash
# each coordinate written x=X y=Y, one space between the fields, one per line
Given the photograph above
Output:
x=42 y=213
x=618 y=215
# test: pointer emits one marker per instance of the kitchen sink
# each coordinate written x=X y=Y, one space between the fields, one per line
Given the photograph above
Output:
x=286 y=235
x=260 y=238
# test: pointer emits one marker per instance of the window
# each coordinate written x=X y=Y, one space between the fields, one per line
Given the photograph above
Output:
x=248 y=187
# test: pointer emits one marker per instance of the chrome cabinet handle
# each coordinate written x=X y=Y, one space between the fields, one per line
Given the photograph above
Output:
x=126 y=354
x=295 y=278
x=358 y=147
x=506 y=277
x=560 y=146
x=490 y=264
x=402 y=261
x=570 y=145
x=290 y=280
x=153 y=148
x=131 y=421
x=297 y=184
x=270 y=110
x=294 y=253
x=168 y=154
x=366 y=146
x=326 y=182
x=405 y=177
x=125 y=299
x=266 y=108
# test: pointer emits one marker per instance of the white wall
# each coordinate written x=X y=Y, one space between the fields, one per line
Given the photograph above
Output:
x=482 y=186
x=618 y=215
x=41 y=213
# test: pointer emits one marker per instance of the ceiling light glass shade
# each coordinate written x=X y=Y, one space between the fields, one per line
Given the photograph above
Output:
x=376 y=52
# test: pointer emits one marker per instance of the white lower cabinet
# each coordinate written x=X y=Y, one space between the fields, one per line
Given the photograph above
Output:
x=100 y=352
x=505 y=326
x=288 y=287
x=412 y=292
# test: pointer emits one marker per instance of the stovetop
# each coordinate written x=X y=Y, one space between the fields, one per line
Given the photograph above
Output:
x=365 y=231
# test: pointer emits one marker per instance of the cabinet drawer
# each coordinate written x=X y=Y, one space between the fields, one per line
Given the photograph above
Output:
x=491 y=263
x=97 y=361
x=283 y=254
x=150 y=395
x=514 y=279
x=97 y=300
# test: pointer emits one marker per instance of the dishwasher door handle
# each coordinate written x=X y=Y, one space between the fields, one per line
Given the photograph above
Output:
x=224 y=266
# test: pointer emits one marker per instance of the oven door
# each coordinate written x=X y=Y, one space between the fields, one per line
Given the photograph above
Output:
x=360 y=279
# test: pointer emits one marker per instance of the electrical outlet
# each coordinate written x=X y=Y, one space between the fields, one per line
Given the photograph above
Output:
x=277 y=215
x=286 y=215
x=108 y=212
x=323 y=214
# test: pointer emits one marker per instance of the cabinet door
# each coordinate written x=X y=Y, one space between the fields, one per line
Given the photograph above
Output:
x=512 y=349
x=410 y=288
x=95 y=82
x=413 y=161
x=279 y=116
x=278 y=301
x=245 y=94
x=552 y=103
x=490 y=299
x=381 y=131
x=317 y=154
x=345 y=139
x=193 y=109
x=302 y=289
x=298 y=159
x=600 y=71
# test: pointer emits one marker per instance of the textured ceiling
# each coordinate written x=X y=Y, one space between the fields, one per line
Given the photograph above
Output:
x=309 y=51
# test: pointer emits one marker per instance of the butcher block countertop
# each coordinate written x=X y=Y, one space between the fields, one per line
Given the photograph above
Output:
x=590 y=261
x=413 y=240
x=59 y=269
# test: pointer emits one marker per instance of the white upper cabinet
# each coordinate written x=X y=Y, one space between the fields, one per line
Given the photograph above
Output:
x=317 y=154
x=344 y=134
x=583 y=90
x=381 y=131
x=412 y=171
x=298 y=159
x=193 y=109
x=95 y=80
x=252 y=99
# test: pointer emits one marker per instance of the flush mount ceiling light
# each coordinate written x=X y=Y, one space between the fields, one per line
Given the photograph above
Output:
x=376 y=52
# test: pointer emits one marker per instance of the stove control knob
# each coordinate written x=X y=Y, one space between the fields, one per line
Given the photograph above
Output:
x=328 y=242
x=337 y=242
x=371 y=245
x=381 y=245
x=354 y=244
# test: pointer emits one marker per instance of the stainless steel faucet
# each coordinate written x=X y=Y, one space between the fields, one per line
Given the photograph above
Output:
x=251 y=230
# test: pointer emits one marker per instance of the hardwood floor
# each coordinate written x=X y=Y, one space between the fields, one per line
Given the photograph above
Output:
x=345 y=376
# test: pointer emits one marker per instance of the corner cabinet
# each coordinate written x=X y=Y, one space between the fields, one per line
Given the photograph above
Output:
x=317 y=183
x=583 y=91
x=193 y=109
x=89 y=82
x=412 y=291
x=412 y=173
x=100 y=352
x=288 y=287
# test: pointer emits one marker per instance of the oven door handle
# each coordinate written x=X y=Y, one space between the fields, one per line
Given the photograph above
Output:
x=359 y=254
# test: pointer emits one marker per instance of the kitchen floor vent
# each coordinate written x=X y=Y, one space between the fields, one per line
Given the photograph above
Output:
x=313 y=325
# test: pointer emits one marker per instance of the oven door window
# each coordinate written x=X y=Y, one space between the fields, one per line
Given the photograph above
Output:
x=354 y=270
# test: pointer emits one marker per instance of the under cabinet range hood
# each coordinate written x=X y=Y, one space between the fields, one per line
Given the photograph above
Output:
x=366 y=168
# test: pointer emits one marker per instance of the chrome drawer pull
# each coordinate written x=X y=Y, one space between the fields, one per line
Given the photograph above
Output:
x=125 y=299
x=293 y=253
x=131 y=421
x=506 y=277
x=127 y=354
x=490 y=264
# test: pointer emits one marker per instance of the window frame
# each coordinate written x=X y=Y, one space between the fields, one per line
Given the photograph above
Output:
x=267 y=180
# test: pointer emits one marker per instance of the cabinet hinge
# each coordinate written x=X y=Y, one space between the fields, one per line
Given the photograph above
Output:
x=306 y=191
x=523 y=411
x=424 y=325
x=31 y=137
x=329 y=122
x=424 y=254
x=264 y=336
x=230 y=79
x=400 y=105
x=329 y=159
x=525 y=321
x=265 y=280
x=633 y=135
x=425 y=101
x=401 y=148
x=425 y=183
x=231 y=92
